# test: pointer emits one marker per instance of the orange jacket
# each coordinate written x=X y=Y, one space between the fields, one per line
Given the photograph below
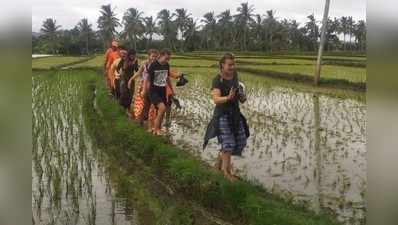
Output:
x=110 y=56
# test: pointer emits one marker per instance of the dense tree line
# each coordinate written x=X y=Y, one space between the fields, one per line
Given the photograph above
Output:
x=178 y=30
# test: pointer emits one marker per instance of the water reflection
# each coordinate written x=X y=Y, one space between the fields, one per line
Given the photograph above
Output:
x=305 y=147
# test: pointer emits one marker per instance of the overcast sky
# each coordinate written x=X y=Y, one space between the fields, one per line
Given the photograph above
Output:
x=69 y=12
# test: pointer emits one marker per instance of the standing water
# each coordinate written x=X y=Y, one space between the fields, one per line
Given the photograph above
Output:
x=71 y=183
x=304 y=147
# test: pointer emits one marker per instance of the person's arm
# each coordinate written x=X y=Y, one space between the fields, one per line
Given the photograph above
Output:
x=148 y=80
x=136 y=74
x=218 y=99
x=169 y=84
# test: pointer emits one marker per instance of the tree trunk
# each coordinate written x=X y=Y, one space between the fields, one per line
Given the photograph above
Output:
x=322 y=42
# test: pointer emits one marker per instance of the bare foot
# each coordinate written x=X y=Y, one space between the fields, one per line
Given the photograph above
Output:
x=157 y=132
x=218 y=163
x=229 y=177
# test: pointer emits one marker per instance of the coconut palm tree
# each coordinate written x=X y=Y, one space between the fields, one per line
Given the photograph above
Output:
x=350 y=29
x=167 y=28
x=133 y=26
x=270 y=24
x=50 y=31
x=150 y=28
x=257 y=29
x=181 y=20
x=360 y=34
x=225 y=29
x=344 y=29
x=107 y=24
x=243 y=19
x=209 y=29
x=85 y=32
x=191 y=35
x=312 y=31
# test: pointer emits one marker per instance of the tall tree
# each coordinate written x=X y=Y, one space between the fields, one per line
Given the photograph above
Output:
x=225 y=29
x=50 y=31
x=150 y=29
x=312 y=31
x=360 y=34
x=209 y=30
x=257 y=29
x=191 y=35
x=86 y=33
x=350 y=29
x=107 y=24
x=181 y=21
x=167 y=27
x=133 y=26
x=344 y=29
x=270 y=24
x=243 y=18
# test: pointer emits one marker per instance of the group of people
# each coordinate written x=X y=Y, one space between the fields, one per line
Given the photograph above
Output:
x=153 y=96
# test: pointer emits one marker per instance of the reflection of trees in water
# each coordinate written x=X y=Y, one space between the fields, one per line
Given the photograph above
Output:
x=62 y=166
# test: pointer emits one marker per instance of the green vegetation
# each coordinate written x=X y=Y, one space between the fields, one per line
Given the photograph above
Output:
x=244 y=202
x=294 y=71
x=53 y=62
x=239 y=28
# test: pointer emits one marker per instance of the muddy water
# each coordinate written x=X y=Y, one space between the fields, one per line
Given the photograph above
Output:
x=305 y=147
x=71 y=183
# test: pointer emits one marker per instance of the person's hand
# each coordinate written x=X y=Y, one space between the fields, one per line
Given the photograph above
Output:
x=231 y=94
x=129 y=83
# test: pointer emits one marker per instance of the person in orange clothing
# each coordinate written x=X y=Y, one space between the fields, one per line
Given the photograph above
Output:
x=111 y=55
x=141 y=98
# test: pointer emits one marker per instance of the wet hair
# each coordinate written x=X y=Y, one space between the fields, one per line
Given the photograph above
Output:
x=153 y=51
x=165 y=52
x=226 y=56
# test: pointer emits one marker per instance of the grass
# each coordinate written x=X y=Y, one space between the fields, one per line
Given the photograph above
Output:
x=242 y=201
x=339 y=72
x=56 y=61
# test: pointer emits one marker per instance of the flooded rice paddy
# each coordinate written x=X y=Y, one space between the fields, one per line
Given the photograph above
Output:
x=72 y=181
x=78 y=181
x=305 y=147
x=309 y=148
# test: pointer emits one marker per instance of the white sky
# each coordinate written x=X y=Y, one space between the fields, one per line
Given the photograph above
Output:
x=69 y=12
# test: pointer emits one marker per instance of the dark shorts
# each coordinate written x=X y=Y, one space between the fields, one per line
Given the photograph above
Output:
x=229 y=142
x=157 y=96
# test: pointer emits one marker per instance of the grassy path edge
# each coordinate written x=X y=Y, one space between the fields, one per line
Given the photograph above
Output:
x=241 y=201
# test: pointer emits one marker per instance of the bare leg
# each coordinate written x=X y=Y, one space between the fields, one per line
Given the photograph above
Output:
x=226 y=164
x=159 y=117
x=218 y=163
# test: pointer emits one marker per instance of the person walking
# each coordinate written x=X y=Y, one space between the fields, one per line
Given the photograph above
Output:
x=141 y=103
x=228 y=123
x=110 y=56
x=158 y=79
x=127 y=67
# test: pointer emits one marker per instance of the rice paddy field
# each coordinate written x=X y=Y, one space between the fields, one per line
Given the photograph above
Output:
x=49 y=62
x=307 y=144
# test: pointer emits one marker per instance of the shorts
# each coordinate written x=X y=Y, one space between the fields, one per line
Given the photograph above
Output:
x=157 y=96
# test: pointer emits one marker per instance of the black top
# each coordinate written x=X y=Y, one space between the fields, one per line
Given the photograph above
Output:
x=158 y=74
x=127 y=73
x=231 y=108
x=225 y=86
